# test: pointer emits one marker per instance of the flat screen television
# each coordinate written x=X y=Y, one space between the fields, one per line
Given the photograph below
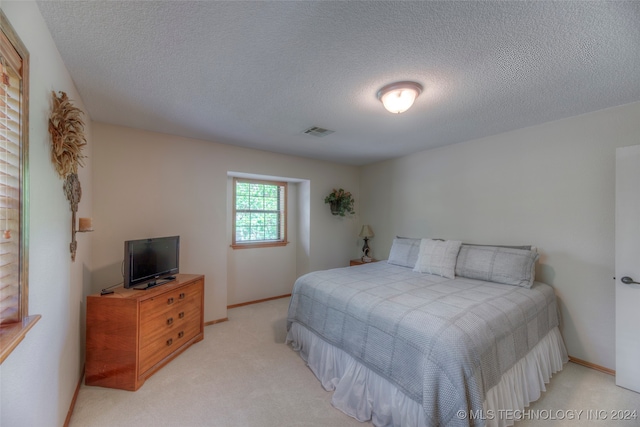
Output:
x=151 y=262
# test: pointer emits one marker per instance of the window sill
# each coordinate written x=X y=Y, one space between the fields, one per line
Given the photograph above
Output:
x=258 y=245
x=13 y=333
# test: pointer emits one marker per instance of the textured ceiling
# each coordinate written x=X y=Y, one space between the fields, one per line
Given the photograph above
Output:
x=257 y=74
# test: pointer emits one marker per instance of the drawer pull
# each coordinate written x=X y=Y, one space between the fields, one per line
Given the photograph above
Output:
x=181 y=315
x=170 y=321
x=180 y=334
x=182 y=295
x=170 y=301
x=169 y=341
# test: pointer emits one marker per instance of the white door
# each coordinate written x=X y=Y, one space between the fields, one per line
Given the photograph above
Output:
x=628 y=267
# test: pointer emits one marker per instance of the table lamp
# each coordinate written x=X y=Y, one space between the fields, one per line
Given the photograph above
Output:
x=366 y=232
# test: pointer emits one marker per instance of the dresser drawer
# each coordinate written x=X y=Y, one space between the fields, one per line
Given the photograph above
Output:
x=155 y=325
x=167 y=342
x=169 y=300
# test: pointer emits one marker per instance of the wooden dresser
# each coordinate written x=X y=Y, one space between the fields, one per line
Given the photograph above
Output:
x=131 y=334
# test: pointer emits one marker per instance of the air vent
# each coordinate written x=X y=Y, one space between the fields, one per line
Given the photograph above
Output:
x=319 y=132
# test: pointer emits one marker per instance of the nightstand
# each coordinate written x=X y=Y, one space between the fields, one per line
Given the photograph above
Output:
x=360 y=262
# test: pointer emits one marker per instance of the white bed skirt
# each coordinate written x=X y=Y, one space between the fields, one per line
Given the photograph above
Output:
x=364 y=395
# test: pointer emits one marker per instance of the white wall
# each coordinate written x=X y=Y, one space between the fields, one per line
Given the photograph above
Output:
x=254 y=274
x=149 y=184
x=41 y=375
x=551 y=186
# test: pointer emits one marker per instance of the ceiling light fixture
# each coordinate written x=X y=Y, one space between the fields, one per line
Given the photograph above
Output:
x=399 y=97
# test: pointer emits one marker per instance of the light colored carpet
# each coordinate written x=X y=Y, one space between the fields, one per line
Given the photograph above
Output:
x=243 y=375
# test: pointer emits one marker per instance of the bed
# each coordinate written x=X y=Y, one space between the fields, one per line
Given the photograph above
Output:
x=440 y=334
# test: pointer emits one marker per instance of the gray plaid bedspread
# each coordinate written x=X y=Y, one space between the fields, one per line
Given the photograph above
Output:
x=443 y=342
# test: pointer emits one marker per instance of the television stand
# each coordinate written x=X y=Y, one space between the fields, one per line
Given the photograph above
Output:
x=131 y=334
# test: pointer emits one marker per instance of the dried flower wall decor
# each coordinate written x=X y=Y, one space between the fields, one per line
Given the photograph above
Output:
x=67 y=135
x=67 y=141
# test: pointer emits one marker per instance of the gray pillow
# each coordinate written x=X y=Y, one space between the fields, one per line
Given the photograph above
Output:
x=438 y=257
x=510 y=266
x=404 y=252
x=527 y=247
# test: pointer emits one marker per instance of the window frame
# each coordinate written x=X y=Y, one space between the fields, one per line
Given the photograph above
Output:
x=259 y=243
x=11 y=334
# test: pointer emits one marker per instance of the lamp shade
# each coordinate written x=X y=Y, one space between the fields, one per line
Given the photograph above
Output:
x=366 y=231
x=399 y=97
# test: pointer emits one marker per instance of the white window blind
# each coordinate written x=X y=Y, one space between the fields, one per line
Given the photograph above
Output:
x=10 y=103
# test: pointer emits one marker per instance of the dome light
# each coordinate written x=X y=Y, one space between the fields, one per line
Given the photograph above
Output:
x=399 y=97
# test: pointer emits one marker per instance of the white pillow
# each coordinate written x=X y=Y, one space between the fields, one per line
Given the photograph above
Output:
x=438 y=257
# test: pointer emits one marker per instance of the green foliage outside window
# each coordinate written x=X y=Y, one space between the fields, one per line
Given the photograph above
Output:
x=259 y=212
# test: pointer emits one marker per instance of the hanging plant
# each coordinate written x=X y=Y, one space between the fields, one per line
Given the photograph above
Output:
x=67 y=135
x=341 y=202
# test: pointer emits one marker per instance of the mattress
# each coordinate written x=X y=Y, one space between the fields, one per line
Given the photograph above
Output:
x=443 y=344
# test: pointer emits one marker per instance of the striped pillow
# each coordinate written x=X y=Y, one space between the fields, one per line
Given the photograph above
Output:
x=438 y=257
x=404 y=252
x=509 y=266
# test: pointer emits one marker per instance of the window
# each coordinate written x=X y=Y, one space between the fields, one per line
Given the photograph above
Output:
x=259 y=213
x=14 y=73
